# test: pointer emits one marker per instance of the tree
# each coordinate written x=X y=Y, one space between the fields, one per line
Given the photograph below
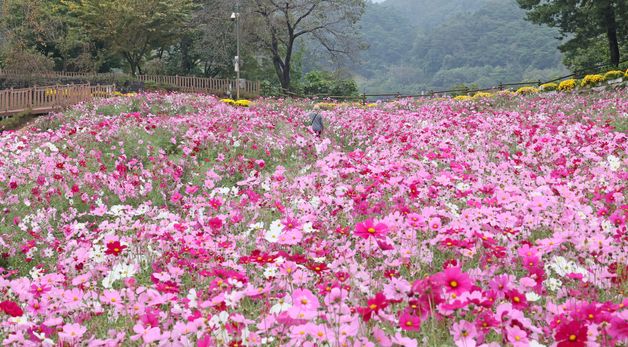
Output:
x=325 y=83
x=583 y=21
x=133 y=28
x=330 y=23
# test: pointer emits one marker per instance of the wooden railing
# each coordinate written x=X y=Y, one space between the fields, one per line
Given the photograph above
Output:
x=184 y=83
x=204 y=84
x=38 y=100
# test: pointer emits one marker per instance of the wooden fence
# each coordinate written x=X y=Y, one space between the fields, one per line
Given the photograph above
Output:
x=183 y=83
x=39 y=100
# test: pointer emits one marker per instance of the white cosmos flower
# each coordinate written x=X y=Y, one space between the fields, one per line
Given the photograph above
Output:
x=553 y=284
x=97 y=253
x=532 y=297
x=272 y=236
x=283 y=305
x=613 y=162
x=307 y=228
x=192 y=297
x=270 y=271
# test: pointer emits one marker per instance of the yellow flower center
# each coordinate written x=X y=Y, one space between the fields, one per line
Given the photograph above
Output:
x=409 y=323
x=371 y=230
x=304 y=301
x=453 y=284
x=516 y=299
x=373 y=306
x=517 y=338
x=572 y=338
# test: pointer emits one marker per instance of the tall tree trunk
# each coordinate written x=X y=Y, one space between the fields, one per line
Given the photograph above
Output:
x=611 y=33
x=285 y=78
x=131 y=62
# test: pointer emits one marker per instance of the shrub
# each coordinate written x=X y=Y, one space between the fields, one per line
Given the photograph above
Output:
x=506 y=93
x=463 y=98
x=326 y=105
x=527 y=90
x=16 y=121
x=567 y=85
x=243 y=103
x=591 y=80
x=325 y=83
x=614 y=74
x=480 y=95
x=548 y=87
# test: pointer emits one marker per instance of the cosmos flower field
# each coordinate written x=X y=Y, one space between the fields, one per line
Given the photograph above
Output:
x=178 y=220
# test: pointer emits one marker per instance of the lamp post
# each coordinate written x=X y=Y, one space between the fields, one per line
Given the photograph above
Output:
x=235 y=16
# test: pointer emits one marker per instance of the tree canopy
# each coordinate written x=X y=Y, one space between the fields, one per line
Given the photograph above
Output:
x=583 y=23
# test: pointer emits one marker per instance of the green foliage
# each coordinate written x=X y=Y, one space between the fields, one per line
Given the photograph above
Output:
x=325 y=83
x=16 y=121
x=585 y=25
x=479 y=42
x=133 y=28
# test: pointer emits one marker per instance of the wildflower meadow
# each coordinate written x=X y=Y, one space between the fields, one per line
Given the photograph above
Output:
x=184 y=220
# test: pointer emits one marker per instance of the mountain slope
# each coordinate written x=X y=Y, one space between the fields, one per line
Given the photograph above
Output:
x=423 y=45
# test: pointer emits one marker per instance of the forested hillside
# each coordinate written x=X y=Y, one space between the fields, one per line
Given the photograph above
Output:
x=416 y=45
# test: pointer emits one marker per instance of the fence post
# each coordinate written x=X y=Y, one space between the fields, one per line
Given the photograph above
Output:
x=501 y=86
x=364 y=99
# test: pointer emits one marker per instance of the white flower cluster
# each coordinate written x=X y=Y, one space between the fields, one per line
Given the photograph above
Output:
x=562 y=267
x=224 y=191
x=273 y=232
x=614 y=163
x=118 y=272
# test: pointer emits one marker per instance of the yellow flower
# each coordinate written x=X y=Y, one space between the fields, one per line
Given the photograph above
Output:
x=463 y=98
x=481 y=95
x=591 y=80
x=506 y=93
x=548 y=87
x=527 y=90
x=228 y=101
x=326 y=105
x=613 y=74
x=243 y=103
x=567 y=85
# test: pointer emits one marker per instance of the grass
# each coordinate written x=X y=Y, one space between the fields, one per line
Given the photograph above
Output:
x=16 y=121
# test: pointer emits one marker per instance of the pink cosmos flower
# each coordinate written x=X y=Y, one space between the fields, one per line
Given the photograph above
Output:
x=149 y=335
x=464 y=333
x=72 y=332
x=409 y=322
x=368 y=228
x=304 y=299
x=517 y=336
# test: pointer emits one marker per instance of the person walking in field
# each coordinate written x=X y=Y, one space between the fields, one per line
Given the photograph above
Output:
x=316 y=121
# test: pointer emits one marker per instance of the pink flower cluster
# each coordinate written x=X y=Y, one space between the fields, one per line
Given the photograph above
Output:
x=177 y=220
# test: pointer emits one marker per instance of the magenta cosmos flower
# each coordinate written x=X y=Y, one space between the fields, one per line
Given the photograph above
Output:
x=453 y=280
x=368 y=228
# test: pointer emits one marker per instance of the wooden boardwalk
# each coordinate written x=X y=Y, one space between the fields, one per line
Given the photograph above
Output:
x=183 y=83
x=42 y=100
